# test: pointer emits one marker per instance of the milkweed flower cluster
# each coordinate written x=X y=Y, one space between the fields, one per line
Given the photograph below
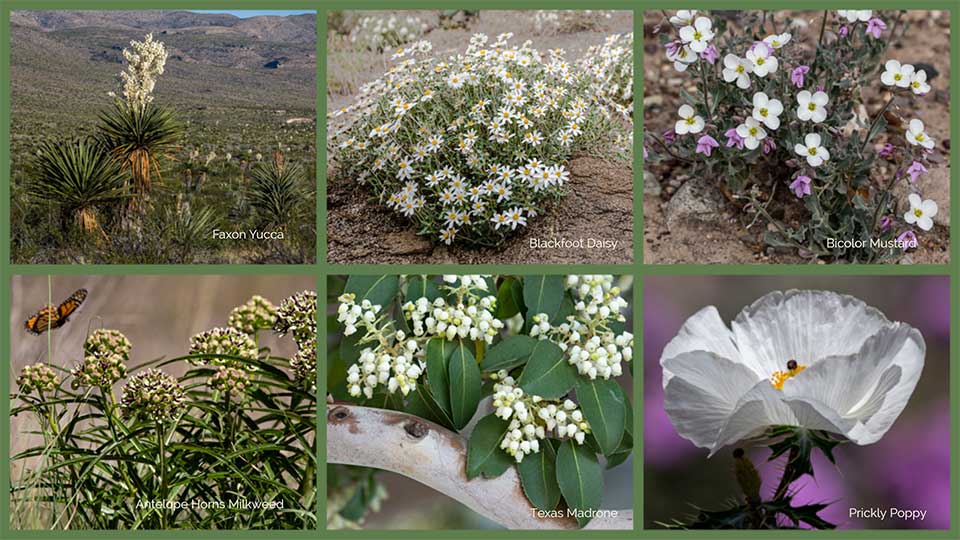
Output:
x=145 y=63
x=533 y=418
x=785 y=113
x=231 y=382
x=471 y=316
x=471 y=145
x=297 y=315
x=589 y=337
x=254 y=315
x=154 y=395
x=39 y=377
x=105 y=353
x=379 y=32
x=222 y=341
x=565 y=21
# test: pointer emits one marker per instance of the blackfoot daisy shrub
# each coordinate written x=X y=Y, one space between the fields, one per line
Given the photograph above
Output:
x=773 y=119
x=472 y=145
x=229 y=444
x=546 y=350
x=568 y=21
x=379 y=32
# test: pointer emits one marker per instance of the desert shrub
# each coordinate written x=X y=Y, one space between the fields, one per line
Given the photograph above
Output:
x=547 y=351
x=379 y=32
x=80 y=177
x=610 y=67
x=470 y=146
x=773 y=119
x=276 y=192
x=237 y=427
x=569 y=21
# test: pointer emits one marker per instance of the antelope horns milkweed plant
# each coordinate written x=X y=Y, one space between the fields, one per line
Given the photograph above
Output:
x=229 y=444
x=779 y=120
x=471 y=146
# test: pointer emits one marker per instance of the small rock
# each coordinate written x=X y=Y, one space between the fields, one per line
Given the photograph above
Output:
x=650 y=184
x=696 y=199
x=407 y=243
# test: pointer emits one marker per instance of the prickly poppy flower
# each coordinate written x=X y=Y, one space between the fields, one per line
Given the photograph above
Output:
x=816 y=360
x=875 y=26
x=915 y=170
x=706 y=144
x=796 y=76
x=801 y=186
x=734 y=139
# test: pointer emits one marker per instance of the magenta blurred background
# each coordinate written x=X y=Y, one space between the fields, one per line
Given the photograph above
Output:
x=909 y=468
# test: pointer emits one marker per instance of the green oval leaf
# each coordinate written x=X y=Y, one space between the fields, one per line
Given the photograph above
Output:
x=438 y=371
x=484 y=455
x=604 y=408
x=377 y=289
x=580 y=478
x=421 y=403
x=509 y=298
x=422 y=287
x=547 y=373
x=464 y=385
x=509 y=353
x=538 y=476
x=541 y=294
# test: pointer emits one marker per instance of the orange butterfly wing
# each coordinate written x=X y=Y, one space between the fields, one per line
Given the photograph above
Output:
x=51 y=317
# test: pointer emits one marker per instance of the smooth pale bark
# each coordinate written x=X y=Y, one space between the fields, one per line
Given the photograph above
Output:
x=436 y=457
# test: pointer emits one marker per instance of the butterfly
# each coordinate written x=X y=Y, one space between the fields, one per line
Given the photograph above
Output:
x=52 y=317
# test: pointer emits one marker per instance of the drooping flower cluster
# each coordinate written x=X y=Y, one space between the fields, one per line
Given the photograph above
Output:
x=587 y=336
x=39 y=377
x=562 y=21
x=298 y=316
x=230 y=381
x=393 y=361
x=222 y=341
x=532 y=418
x=254 y=315
x=105 y=353
x=379 y=32
x=154 y=395
x=466 y=144
x=145 y=63
x=471 y=317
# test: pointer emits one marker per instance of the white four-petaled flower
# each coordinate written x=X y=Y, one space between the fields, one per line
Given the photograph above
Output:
x=812 y=107
x=897 y=74
x=916 y=135
x=690 y=121
x=751 y=133
x=763 y=61
x=921 y=212
x=854 y=15
x=698 y=34
x=737 y=69
x=767 y=110
x=816 y=360
x=812 y=150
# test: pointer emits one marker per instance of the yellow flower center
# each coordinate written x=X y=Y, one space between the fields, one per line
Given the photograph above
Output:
x=760 y=61
x=812 y=106
x=812 y=151
x=780 y=377
x=763 y=113
x=690 y=122
x=739 y=69
x=697 y=36
x=753 y=132
x=920 y=137
x=918 y=212
x=897 y=77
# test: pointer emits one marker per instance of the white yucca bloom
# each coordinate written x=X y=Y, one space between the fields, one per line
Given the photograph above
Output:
x=145 y=61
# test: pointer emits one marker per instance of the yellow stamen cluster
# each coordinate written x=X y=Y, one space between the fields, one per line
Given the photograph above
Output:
x=780 y=377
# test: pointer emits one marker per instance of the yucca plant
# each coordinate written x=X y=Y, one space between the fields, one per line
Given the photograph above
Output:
x=79 y=176
x=277 y=191
x=188 y=229
x=140 y=136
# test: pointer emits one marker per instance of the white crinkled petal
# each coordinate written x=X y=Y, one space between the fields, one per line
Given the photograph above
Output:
x=805 y=326
x=702 y=393
x=703 y=331
x=761 y=407
x=861 y=394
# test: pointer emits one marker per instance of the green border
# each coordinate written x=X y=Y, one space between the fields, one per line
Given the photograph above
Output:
x=321 y=269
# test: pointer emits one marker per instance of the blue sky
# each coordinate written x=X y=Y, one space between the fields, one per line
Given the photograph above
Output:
x=248 y=14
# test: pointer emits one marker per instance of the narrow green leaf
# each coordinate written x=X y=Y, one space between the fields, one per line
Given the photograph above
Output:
x=602 y=405
x=547 y=373
x=580 y=478
x=509 y=353
x=438 y=371
x=422 y=403
x=541 y=294
x=377 y=289
x=538 y=476
x=464 y=385
x=484 y=455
